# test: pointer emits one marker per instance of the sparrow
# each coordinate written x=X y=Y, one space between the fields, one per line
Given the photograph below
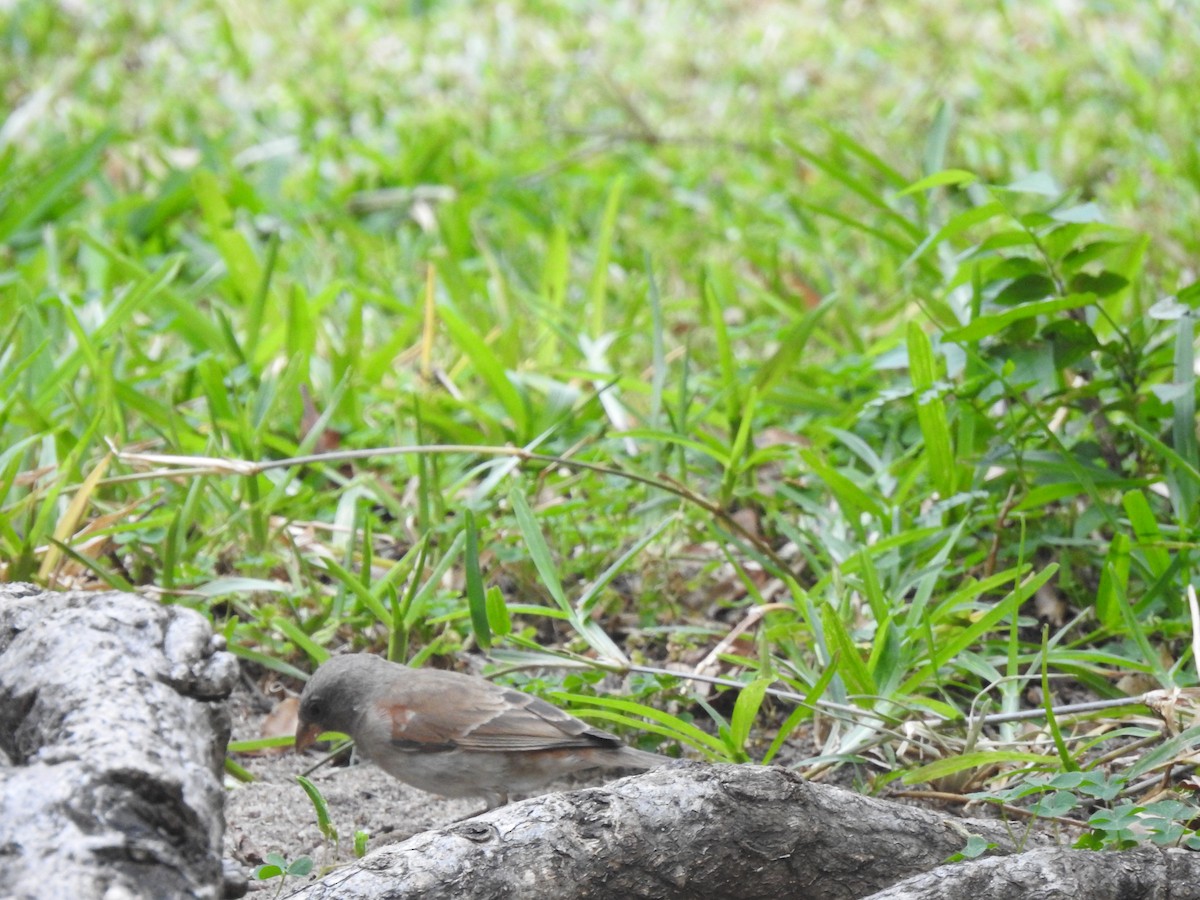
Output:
x=452 y=734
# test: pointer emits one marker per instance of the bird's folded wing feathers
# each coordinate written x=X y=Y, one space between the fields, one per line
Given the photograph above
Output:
x=487 y=719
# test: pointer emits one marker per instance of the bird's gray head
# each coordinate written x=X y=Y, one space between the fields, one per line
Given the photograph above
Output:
x=336 y=693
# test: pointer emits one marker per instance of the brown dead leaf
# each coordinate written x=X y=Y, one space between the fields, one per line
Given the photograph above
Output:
x=279 y=722
x=1050 y=606
x=747 y=519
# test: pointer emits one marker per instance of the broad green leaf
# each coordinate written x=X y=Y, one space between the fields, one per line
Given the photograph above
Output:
x=1145 y=529
x=931 y=411
x=991 y=323
x=745 y=710
x=320 y=807
x=597 y=293
x=852 y=498
x=954 y=764
x=851 y=667
x=940 y=179
x=1114 y=583
x=476 y=595
x=956 y=642
x=292 y=632
x=1034 y=183
x=630 y=713
x=958 y=224
x=38 y=196
x=488 y=366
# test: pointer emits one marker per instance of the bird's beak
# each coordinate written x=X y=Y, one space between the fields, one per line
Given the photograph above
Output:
x=306 y=735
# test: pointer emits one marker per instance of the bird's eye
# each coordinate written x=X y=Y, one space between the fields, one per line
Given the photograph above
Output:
x=313 y=709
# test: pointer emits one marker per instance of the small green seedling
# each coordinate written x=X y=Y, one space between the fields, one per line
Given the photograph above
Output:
x=322 y=809
x=278 y=867
x=360 y=843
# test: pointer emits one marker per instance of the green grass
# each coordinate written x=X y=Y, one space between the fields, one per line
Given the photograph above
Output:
x=826 y=369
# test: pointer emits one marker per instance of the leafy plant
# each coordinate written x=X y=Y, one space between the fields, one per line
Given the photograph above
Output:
x=276 y=866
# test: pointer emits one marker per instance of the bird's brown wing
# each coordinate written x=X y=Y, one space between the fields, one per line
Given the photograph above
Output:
x=455 y=711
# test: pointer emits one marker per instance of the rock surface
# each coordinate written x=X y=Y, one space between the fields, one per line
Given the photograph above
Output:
x=686 y=831
x=113 y=729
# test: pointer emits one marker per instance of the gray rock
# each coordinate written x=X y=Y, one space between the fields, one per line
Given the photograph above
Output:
x=113 y=729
